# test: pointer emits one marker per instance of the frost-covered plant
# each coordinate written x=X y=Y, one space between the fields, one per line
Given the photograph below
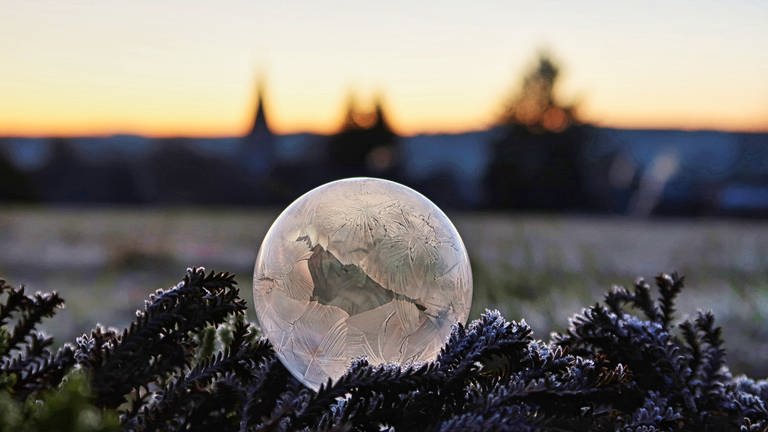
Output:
x=190 y=361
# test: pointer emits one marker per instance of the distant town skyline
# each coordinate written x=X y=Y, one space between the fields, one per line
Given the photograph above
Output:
x=176 y=68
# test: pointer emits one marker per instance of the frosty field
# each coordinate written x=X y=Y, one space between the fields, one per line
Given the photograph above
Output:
x=540 y=268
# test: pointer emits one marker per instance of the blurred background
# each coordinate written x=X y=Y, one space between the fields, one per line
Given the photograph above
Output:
x=575 y=145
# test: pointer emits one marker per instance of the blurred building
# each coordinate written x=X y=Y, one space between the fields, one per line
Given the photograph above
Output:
x=365 y=145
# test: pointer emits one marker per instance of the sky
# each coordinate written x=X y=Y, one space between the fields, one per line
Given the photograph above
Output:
x=190 y=68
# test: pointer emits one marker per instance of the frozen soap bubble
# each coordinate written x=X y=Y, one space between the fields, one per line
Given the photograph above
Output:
x=359 y=267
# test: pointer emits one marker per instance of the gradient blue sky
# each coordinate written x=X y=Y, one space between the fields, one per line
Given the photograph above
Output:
x=189 y=68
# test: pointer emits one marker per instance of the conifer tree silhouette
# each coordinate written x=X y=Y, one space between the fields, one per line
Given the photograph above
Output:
x=536 y=161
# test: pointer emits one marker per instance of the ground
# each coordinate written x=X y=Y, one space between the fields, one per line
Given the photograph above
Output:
x=105 y=261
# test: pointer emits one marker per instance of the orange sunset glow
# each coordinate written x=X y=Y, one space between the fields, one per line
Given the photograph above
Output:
x=175 y=69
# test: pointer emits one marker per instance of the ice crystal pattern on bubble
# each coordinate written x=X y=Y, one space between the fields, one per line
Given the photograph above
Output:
x=360 y=267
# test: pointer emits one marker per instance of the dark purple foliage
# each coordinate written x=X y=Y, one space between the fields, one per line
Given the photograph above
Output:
x=612 y=370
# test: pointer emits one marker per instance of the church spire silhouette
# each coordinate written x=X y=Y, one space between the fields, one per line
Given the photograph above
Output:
x=257 y=147
x=380 y=122
x=260 y=128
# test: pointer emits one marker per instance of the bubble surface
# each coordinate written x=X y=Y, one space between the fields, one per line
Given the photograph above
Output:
x=359 y=267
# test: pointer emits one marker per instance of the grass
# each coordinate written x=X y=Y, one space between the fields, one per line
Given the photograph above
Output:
x=541 y=268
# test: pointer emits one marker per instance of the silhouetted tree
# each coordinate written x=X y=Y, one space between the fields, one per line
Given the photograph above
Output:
x=68 y=177
x=535 y=107
x=63 y=177
x=536 y=161
x=181 y=174
x=15 y=185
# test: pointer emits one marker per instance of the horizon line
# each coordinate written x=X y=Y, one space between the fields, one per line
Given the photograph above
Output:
x=435 y=131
